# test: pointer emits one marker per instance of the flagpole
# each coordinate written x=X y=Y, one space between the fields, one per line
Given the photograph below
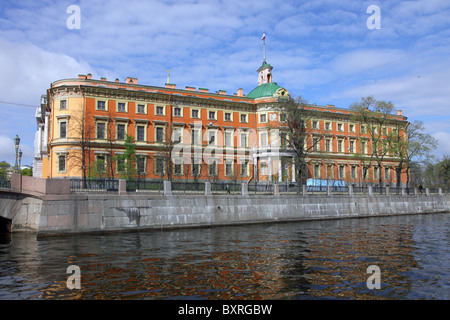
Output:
x=264 y=46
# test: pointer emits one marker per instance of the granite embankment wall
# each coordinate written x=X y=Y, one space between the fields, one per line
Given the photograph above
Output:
x=79 y=213
x=48 y=207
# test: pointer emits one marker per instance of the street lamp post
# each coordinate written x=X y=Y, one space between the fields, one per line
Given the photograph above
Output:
x=16 y=146
x=20 y=158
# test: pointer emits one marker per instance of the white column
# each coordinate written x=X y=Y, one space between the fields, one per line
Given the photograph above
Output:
x=279 y=170
x=293 y=170
x=270 y=168
x=255 y=168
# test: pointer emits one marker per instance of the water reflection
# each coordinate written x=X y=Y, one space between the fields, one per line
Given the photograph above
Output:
x=307 y=260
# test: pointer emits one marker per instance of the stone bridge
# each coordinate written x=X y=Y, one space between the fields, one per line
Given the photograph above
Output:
x=21 y=205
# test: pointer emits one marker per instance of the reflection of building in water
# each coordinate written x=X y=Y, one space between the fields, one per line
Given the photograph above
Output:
x=337 y=263
x=221 y=275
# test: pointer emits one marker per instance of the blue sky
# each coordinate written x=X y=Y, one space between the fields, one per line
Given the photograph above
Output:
x=321 y=50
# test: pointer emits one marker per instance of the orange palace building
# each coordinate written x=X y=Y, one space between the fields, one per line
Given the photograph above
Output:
x=207 y=135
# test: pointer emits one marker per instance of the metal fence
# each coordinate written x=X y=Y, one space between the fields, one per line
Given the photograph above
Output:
x=94 y=185
x=144 y=185
x=5 y=183
x=190 y=187
x=224 y=187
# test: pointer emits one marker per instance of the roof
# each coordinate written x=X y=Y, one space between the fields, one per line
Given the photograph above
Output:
x=264 y=90
x=264 y=65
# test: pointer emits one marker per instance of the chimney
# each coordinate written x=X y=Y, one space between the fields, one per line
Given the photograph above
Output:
x=89 y=76
x=81 y=77
x=103 y=78
x=330 y=106
x=399 y=112
x=190 y=88
x=131 y=80
x=222 y=92
x=240 y=92
x=117 y=80
x=203 y=90
x=171 y=86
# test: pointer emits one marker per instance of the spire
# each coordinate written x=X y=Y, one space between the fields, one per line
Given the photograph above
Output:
x=265 y=71
x=263 y=38
x=168 y=76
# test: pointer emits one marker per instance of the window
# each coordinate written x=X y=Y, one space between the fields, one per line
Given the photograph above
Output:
x=328 y=145
x=387 y=175
x=262 y=118
x=363 y=129
x=376 y=173
x=140 y=133
x=63 y=104
x=363 y=147
x=283 y=139
x=194 y=136
x=341 y=172
x=330 y=171
x=227 y=116
x=120 y=131
x=140 y=165
x=365 y=170
x=243 y=140
x=264 y=168
x=340 y=127
x=141 y=108
x=315 y=145
x=315 y=124
x=353 y=172
x=243 y=118
x=228 y=139
x=211 y=137
x=263 y=139
x=177 y=112
x=101 y=165
x=228 y=168
x=244 y=168
x=159 y=134
x=351 y=147
x=121 y=107
x=176 y=136
x=120 y=165
x=351 y=128
x=159 y=166
x=63 y=129
x=317 y=171
x=62 y=163
x=101 y=130
x=196 y=169
x=212 y=169
x=340 y=145
x=212 y=115
x=159 y=110
x=178 y=169
x=195 y=114
x=101 y=105
x=327 y=125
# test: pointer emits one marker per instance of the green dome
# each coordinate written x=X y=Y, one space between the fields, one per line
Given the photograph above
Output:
x=270 y=89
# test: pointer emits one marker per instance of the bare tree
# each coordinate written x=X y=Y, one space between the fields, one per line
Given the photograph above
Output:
x=375 y=116
x=409 y=143
x=296 y=116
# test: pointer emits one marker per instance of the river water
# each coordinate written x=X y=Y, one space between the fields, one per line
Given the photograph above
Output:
x=299 y=260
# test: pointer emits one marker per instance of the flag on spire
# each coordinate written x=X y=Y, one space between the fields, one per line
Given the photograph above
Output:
x=263 y=36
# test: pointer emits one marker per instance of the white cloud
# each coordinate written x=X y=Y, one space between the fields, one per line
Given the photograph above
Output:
x=27 y=71
x=444 y=143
